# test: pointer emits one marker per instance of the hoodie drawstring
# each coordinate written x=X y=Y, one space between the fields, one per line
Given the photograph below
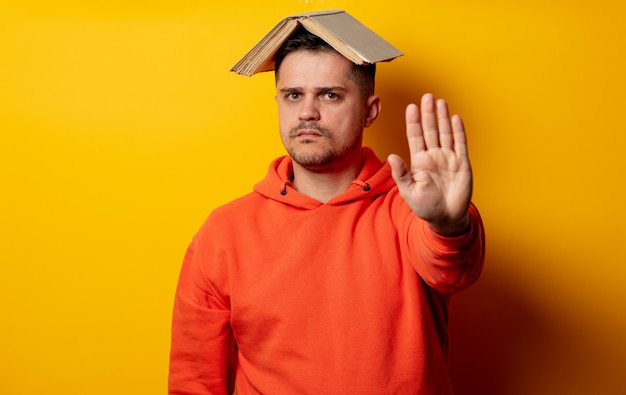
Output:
x=283 y=188
x=364 y=186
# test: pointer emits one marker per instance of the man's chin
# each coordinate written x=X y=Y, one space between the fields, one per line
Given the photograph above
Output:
x=313 y=161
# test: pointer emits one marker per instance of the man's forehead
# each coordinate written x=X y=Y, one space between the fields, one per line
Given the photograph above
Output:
x=318 y=56
x=325 y=68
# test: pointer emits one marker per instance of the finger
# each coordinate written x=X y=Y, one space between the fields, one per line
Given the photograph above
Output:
x=414 y=133
x=445 y=128
x=429 y=122
x=460 y=137
x=399 y=171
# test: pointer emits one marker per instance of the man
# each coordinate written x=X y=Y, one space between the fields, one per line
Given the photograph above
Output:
x=333 y=276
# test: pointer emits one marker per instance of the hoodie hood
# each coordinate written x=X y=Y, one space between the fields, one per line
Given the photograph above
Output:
x=374 y=179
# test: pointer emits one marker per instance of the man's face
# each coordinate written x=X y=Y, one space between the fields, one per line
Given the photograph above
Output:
x=320 y=109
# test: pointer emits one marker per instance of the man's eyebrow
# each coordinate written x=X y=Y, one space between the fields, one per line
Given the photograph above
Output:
x=291 y=90
x=330 y=89
x=321 y=89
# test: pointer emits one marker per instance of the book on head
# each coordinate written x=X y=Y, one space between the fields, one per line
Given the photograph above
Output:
x=340 y=30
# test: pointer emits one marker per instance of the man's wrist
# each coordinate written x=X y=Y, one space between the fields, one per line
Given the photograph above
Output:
x=451 y=229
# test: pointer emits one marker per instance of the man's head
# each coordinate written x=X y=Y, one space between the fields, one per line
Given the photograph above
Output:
x=303 y=40
x=322 y=107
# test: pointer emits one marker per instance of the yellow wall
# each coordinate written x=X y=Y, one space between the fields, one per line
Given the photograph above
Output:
x=121 y=128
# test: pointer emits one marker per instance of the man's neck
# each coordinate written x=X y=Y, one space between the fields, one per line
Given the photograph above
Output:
x=325 y=185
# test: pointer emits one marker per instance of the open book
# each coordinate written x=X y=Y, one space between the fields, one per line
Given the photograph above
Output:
x=339 y=29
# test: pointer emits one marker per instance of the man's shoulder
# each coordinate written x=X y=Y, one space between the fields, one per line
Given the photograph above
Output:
x=228 y=215
x=239 y=205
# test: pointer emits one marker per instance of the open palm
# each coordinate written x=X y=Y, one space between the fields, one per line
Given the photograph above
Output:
x=438 y=184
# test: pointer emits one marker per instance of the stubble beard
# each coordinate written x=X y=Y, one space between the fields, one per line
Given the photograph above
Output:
x=318 y=160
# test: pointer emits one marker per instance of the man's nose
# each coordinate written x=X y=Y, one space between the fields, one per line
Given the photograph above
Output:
x=309 y=110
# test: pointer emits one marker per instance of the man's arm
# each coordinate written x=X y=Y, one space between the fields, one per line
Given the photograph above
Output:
x=438 y=184
x=203 y=351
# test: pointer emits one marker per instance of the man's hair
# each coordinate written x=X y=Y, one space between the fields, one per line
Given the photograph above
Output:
x=303 y=40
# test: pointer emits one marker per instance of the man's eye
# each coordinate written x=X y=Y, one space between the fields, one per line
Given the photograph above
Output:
x=293 y=96
x=331 y=96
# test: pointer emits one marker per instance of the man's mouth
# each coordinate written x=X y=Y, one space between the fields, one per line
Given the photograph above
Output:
x=308 y=129
x=308 y=133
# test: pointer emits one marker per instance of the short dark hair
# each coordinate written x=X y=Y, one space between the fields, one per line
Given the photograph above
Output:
x=303 y=40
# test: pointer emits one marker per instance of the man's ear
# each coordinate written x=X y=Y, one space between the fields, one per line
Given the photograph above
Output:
x=372 y=109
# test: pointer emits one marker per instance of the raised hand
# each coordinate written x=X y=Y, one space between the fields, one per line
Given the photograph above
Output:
x=438 y=184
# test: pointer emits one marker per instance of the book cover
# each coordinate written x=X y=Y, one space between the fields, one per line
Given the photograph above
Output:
x=339 y=29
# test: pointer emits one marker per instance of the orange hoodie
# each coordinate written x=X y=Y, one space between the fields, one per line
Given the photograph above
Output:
x=282 y=294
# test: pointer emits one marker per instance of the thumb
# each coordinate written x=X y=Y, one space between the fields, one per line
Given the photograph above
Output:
x=399 y=171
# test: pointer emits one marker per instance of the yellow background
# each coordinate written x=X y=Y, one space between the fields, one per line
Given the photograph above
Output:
x=121 y=128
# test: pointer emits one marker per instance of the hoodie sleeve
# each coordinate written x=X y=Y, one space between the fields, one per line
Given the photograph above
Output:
x=448 y=264
x=203 y=351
